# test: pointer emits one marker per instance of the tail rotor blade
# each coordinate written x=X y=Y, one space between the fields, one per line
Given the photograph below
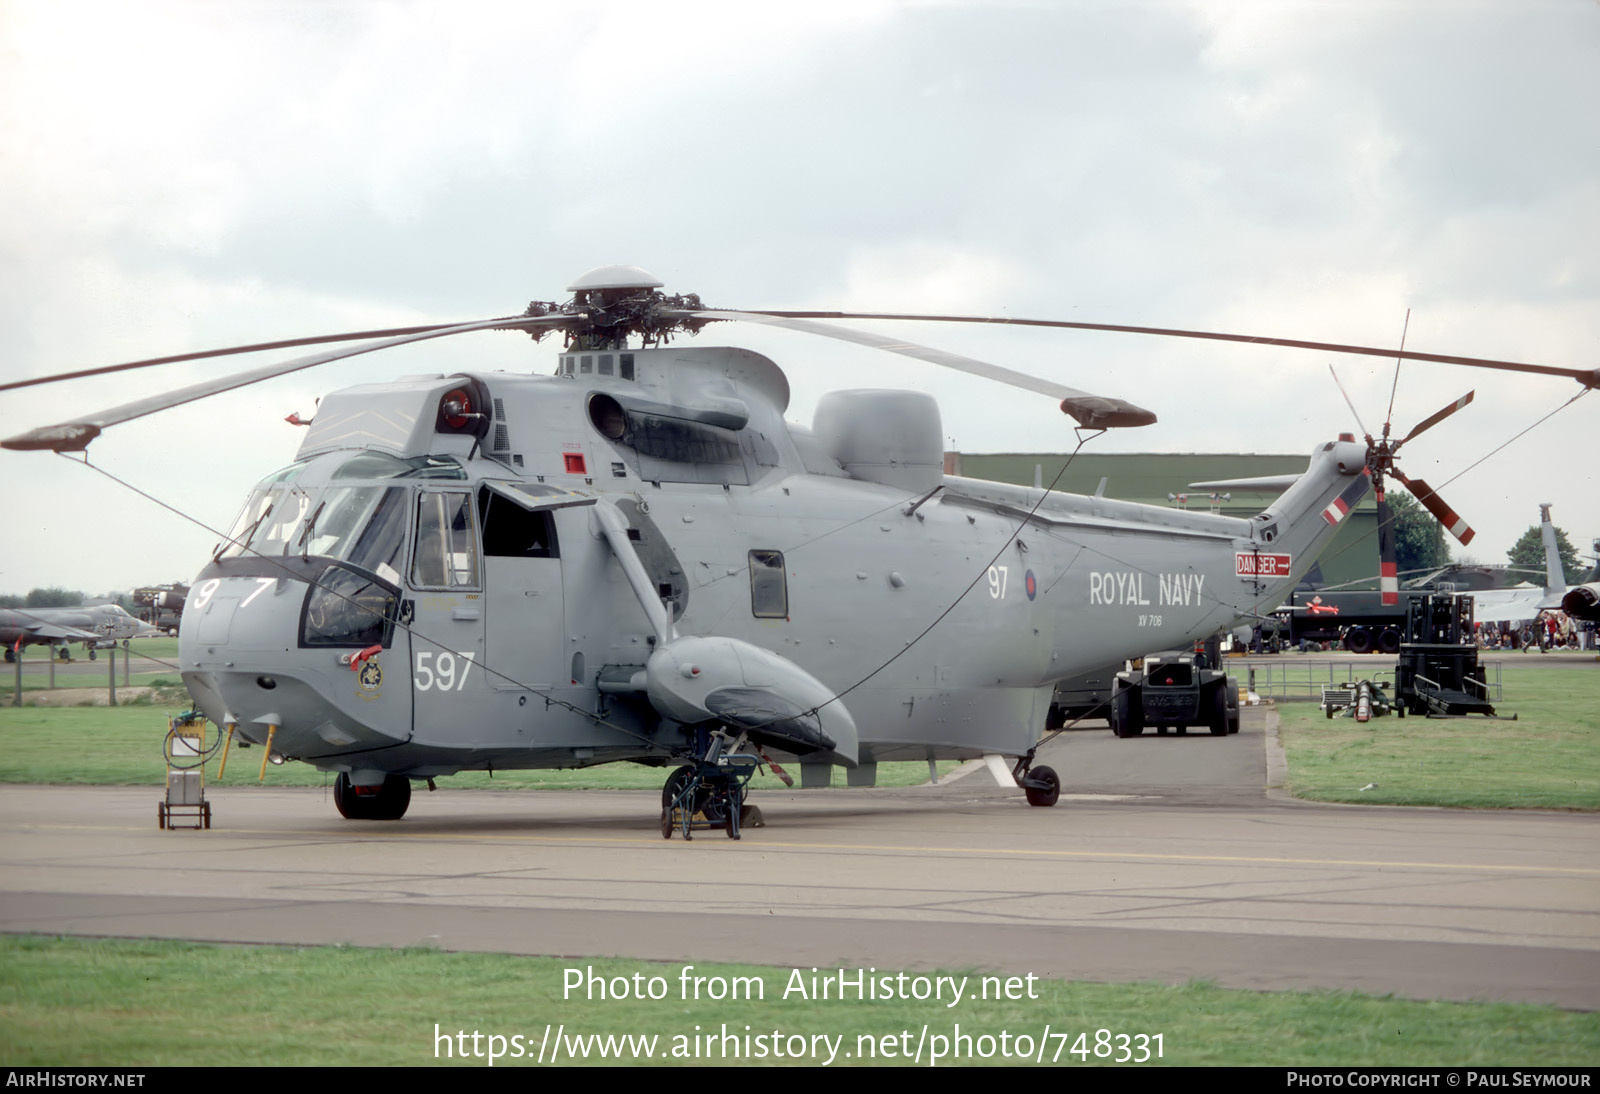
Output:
x=1434 y=504
x=1436 y=417
x=1359 y=423
x=1388 y=578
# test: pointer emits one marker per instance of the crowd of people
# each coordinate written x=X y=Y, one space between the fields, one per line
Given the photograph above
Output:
x=1553 y=630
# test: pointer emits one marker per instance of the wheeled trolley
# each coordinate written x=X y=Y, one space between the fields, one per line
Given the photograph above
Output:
x=185 y=805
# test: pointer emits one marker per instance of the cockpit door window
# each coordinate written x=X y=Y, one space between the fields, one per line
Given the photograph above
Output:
x=446 y=551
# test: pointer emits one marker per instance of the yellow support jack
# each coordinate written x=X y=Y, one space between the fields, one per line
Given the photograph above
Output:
x=266 y=754
x=223 y=766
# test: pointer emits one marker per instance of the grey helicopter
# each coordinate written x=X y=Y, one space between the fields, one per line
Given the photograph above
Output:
x=637 y=558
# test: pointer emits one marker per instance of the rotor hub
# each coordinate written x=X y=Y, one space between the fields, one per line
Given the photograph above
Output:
x=610 y=304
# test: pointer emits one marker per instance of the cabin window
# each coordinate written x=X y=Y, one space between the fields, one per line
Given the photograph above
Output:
x=446 y=554
x=769 y=589
x=511 y=531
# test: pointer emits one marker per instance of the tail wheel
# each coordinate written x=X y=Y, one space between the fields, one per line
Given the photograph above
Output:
x=1048 y=790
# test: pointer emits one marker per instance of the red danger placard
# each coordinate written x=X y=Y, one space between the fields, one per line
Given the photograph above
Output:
x=1253 y=565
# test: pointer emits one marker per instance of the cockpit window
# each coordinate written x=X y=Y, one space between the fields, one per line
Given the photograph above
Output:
x=360 y=524
x=268 y=522
x=379 y=465
x=263 y=499
x=446 y=554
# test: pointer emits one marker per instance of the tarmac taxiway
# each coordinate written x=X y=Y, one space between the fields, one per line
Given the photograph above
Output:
x=1168 y=859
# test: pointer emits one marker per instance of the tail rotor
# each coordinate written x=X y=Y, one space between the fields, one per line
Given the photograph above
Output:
x=1381 y=455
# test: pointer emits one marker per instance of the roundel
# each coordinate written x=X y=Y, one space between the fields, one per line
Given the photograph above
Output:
x=1030 y=584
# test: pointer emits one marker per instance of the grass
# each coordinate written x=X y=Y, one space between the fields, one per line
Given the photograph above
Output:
x=70 y=1002
x=1549 y=758
x=122 y=746
x=155 y=662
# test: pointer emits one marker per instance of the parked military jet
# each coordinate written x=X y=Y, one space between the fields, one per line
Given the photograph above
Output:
x=1527 y=601
x=98 y=627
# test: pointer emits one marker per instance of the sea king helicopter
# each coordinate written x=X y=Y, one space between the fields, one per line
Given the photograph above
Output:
x=638 y=559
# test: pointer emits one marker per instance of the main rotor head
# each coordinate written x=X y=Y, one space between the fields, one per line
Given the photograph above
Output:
x=611 y=304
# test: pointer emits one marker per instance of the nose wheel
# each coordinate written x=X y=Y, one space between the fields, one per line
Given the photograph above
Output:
x=388 y=801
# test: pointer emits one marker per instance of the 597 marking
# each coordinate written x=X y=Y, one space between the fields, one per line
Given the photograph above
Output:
x=441 y=675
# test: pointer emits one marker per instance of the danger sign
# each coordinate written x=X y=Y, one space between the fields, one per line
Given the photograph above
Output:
x=1254 y=565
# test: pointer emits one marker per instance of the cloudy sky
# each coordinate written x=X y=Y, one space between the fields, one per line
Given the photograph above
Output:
x=176 y=176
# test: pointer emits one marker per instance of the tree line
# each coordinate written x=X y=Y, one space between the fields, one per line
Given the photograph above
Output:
x=57 y=597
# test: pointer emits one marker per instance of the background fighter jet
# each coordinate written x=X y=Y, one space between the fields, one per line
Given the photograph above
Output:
x=100 y=626
x=1516 y=605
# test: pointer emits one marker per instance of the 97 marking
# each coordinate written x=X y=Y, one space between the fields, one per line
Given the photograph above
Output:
x=997 y=582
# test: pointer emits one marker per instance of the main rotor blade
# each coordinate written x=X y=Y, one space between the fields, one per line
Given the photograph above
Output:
x=1434 y=504
x=1586 y=377
x=1092 y=411
x=75 y=435
x=1435 y=418
x=287 y=343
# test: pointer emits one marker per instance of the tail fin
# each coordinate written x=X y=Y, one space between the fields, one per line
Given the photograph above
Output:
x=1554 y=576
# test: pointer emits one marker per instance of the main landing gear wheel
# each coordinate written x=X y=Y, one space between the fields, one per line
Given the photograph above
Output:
x=1042 y=786
x=386 y=802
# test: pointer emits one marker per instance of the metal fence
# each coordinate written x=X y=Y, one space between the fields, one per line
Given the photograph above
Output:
x=1290 y=681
